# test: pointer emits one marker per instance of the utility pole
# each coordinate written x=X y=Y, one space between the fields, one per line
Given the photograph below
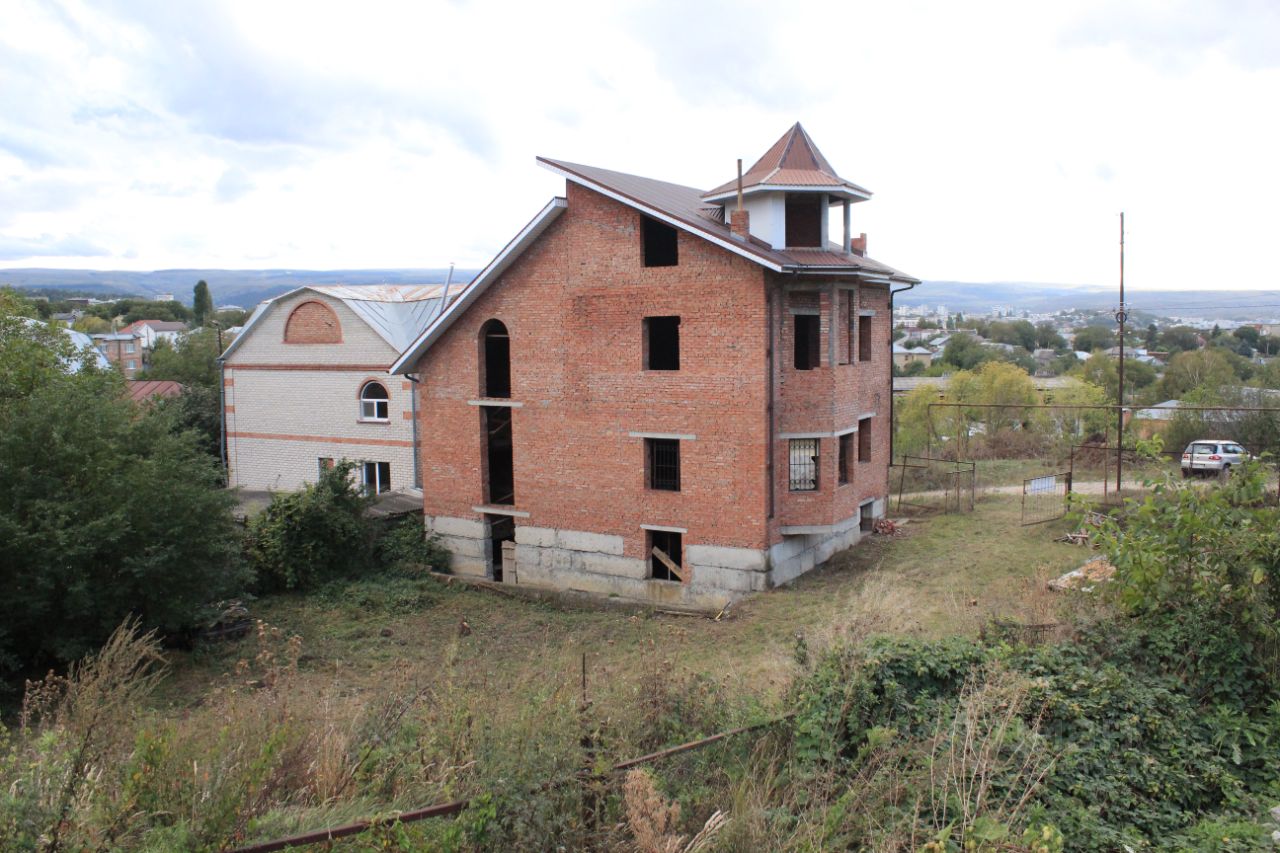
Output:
x=1120 y=318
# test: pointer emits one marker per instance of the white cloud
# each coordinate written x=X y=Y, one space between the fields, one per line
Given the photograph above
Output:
x=1001 y=139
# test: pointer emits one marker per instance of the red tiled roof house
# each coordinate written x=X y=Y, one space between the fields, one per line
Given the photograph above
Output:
x=660 y=393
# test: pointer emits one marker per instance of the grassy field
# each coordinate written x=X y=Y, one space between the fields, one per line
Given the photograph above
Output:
x=945 y=574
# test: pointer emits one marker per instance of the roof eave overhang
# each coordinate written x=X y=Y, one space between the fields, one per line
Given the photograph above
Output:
x=724 y=242
x=501 y=262
x=841 y=192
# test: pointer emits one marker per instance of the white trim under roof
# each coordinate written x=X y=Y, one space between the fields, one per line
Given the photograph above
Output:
x=480 y=284
x=837 y=191
x=733 y=245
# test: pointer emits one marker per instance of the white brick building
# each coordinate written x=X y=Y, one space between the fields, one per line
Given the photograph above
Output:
x=306 y=384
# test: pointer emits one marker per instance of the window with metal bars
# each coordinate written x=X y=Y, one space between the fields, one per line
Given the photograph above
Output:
x=803 y=467
x=663 y=463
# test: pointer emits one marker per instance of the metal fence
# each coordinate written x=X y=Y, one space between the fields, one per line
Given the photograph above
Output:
x=1044 y=498
x=926 y=483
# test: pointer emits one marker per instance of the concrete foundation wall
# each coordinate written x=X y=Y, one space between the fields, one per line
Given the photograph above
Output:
x=596 y=563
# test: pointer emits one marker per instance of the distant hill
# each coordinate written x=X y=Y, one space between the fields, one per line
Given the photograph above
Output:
x=229 y=287
x=967 y=297
x=249 y=287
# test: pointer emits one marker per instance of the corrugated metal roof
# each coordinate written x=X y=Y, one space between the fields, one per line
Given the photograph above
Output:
x=398 y=313
x=145 y=389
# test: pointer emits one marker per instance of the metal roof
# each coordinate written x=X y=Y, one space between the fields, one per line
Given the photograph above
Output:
x=397 y=313
x=540 y=223
x=684 y=207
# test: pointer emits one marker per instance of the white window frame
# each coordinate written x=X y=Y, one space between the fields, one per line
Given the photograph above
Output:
x=128 y=348
x=375 y=409
x=376 y=487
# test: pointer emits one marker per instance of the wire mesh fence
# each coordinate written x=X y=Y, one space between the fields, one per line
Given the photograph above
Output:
x=1045 y=498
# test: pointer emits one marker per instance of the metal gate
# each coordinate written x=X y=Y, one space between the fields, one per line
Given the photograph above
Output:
x=1045 y=498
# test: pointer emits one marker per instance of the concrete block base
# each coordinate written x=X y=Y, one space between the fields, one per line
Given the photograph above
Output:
x=595 y=564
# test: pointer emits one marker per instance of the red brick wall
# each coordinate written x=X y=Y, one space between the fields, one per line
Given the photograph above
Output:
x=313 y=323
x=574 y=305
x=830 y=399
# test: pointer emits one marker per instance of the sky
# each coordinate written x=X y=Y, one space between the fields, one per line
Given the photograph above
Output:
x=1001 y=140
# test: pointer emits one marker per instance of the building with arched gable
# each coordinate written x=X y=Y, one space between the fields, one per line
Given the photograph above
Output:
x=305 y=384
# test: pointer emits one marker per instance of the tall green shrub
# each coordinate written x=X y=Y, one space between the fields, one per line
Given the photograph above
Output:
x=309 y=536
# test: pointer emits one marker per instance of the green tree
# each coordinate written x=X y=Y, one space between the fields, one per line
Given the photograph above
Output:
x=91 y=325
x=106 y=511
x=1248 y=334
x=1005 y=385
x=1047 y=336
x=1152 y=337
x=1179 y=339
x=1092 y=338
x=912 y=415
x=964 y=352
x=1206 y=368
x=201 y=303
x=193 y=361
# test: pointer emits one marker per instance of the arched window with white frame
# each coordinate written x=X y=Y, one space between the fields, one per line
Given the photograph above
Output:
x=374 y=402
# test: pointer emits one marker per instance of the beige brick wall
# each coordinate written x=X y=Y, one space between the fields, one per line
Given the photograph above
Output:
x=288 y=405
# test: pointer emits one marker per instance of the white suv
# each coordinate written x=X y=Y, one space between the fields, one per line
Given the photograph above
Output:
x=1211 y=456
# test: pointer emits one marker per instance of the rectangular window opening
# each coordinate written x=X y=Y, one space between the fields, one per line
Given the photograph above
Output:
x=671 y=546
x=502 y=528
x=662 y=459
x=850 y=327
x=375 y=477
x=864 y=440
x=497 y=366
x=804 y=221
x=499 y=455
x=866 y=521
x=658 y=243
x=803 y=464
x=324 y=463
x=846 y=453
x=661 y=343
x=864 y=338
x=807 y=342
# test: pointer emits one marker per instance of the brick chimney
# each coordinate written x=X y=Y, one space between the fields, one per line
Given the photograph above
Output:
x=858 y=245
x=740 y=224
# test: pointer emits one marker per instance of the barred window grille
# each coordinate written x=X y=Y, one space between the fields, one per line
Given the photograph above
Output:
x=664 y=463
x=804 y=464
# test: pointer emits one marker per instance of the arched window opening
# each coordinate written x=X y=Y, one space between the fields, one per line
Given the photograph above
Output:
x=312 y=323
x=374 y=402
x=495 y=360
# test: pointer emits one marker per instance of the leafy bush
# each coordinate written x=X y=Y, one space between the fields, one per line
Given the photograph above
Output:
x=304 y=538
x=105 y=511
x=405 y=545
x=1215 y=549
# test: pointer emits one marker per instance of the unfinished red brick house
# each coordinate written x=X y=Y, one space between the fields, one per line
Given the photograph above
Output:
x=663 y=394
